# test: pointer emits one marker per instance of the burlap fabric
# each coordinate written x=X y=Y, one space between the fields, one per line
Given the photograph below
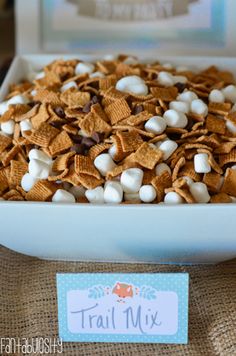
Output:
x=28 y=305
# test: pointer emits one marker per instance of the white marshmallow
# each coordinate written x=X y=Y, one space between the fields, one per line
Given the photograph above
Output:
x=180 y=79
x=230 y=93
x=26 y=125
x=95 y=196
x=40 y=155
x=97 y=75
x=173 y=198
x=187 y=96
x=175 y=118
x=8 y=127
x=104 y=163
x=156 y=125
x=132 y=197
x=147 y=193
x=113 y=193
x=3 y=107
x=199 y=107
x=168 y=147
x=233 y=167
x=39 y=169
x=68 y=85
x=27 y=182
x=84 y=67
x=199 y=192
x=201 y=164
x=77 y=191
x=165 y=79
x=131 y=180
x=132 y=84
x=216 y=96
x=18 y=99
x=112 y=151
x=33 y=92
x=62 y=196
x=161 y=168
x=182 y=106
x=230 y=126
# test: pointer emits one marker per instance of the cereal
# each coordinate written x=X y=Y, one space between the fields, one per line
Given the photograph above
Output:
x=61 y=143
x=148 y=156
x=121 y=132
x=229 y=185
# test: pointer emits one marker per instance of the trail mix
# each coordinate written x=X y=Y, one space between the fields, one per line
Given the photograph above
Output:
x=119 y=131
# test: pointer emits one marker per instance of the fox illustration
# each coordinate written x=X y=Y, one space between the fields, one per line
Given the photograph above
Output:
x=123 y=290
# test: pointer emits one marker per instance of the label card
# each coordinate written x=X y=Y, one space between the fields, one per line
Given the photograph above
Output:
x=136 y=307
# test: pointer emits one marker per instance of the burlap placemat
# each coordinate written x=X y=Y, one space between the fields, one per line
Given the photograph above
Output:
x=28 y=305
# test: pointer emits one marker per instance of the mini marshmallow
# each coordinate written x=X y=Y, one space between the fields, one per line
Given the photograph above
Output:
x=131 y=180
x=156 y=125
x=199 y=107
x=165 y=79
x=77 y=191
x=18 y=99
x=27 y=182
x=168 y=147
x=39 y=169
x=3 y=107
x=201 y=164
x=62 y=196
x=182 y=106
x=147 y=193
x=113 y=193
x=25 y=125
x=104 y=163
x=199 y=192
x=95 y=196
x=8 y=127
x=97 y=75
x=230 y=93
x=132 y=84
x=132 y=197
x=180 y=79
x=175 y=118
x=33 y=92
x=68 y=85
x=161 y=168
x=40 y=156
x=233 y=167
x=84 y=67
x=216 y=96
x=187 y=96
x=173 y=198
x=112 y=151
x=230 y=126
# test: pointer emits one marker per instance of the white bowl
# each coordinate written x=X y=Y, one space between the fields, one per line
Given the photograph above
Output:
x=124 y=233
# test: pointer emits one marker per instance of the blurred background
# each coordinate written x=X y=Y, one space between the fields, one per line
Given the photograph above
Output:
x=141 y=27
x=7 y=35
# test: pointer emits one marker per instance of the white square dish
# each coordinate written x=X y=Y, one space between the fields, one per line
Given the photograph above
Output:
x=126 y=233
